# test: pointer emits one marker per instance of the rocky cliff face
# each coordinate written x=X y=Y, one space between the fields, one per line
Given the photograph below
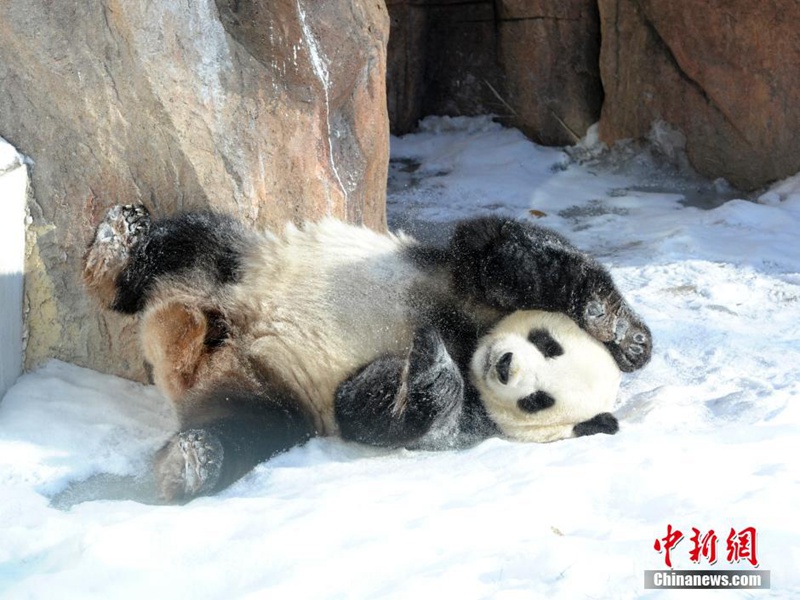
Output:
x=532 y=63
x=274 y=110
x=725 y=72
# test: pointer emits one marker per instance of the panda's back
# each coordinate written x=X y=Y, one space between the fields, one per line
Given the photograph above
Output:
x=317 y=303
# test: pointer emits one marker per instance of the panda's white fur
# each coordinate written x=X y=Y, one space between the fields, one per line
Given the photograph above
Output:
x=318 y=302
x=584 y=380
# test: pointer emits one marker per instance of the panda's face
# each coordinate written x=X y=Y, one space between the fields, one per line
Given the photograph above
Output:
x=539 y=376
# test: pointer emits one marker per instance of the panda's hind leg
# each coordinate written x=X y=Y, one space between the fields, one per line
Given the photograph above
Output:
x=413 y=401
x=226 y=430
x=130 y=256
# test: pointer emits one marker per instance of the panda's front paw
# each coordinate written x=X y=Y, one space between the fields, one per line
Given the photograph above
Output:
x=430 y=367
x=189 y=465
x=626 y=336
x=599 y=319
x=432 y=391
x=602 y=423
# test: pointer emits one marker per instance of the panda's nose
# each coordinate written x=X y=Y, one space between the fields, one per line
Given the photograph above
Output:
x=503 y=367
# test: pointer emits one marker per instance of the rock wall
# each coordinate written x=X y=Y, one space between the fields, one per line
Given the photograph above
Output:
x=550 y=52
x=274 y=110
x=534 y=64
x=725 y=72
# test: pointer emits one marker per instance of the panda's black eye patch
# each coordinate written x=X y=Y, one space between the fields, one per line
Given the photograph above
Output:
x=536 y=402
x=542 y=339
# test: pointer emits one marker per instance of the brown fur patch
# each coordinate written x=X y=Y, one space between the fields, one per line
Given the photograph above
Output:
x=173 y=338
x=100 y=276
x=190 y=351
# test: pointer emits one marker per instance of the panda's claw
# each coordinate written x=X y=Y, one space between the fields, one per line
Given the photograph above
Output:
x=599 y=320
x=612 y=322
x=120 y=230
x=595 y=309
x=620 y=329
x=189 y=465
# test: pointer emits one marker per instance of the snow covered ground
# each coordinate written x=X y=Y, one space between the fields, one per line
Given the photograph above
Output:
x=709 y=434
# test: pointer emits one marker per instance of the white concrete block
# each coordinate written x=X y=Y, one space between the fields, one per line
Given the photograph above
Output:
x=14 y=187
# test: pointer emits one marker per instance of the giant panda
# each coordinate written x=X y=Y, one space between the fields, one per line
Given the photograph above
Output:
x=265 y=339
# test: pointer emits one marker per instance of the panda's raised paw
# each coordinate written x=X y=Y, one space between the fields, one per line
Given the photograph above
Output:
x=600 y=319
x=625 y=335
x=189 y=465
x=122 y=227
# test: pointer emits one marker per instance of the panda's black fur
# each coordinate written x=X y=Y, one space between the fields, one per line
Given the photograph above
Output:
x=263 y=340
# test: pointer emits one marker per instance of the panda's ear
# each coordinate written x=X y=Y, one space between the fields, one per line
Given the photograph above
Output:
x=602 y=423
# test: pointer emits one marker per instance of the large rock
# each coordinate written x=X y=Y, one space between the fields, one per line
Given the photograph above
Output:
x=725 y=72
x=272 y=109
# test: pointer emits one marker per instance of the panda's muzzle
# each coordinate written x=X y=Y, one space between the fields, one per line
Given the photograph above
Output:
x=503 y=367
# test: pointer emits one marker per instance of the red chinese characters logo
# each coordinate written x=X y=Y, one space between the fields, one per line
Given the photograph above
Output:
x=703 y=547
x=667 y=543
x=740 y=545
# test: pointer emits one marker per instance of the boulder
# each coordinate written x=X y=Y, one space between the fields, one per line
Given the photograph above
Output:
x=274 y=110
x=724 y=72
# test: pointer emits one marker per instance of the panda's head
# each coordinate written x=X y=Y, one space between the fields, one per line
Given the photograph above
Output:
x=542 y=378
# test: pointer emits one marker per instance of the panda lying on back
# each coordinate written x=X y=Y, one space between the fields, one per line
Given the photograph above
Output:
x=263 y=340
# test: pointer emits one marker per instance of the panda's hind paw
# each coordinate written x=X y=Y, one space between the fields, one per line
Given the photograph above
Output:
x=122 y=228
x=189 y=465
x=116 y=235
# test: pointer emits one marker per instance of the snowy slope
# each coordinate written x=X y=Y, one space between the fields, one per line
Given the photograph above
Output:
x=708 y=440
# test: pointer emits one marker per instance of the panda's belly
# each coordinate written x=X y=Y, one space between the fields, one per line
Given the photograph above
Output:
x=322 y=302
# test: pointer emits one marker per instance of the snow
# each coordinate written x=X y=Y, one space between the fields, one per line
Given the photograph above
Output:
x=708 y=430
